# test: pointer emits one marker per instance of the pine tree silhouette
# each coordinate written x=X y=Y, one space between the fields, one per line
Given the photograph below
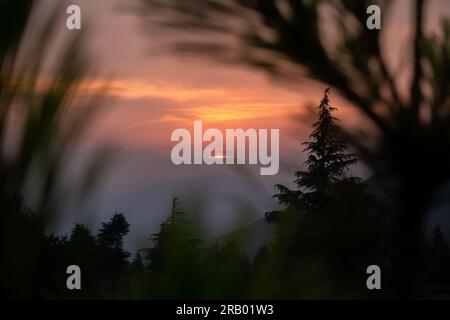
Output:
x=82 y=250
x=172 y=233
x=326 y=165
x=174 y=257
x=327 y=221
x=112 y=257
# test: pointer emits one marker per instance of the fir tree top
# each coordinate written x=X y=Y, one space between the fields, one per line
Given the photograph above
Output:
x=326 y=165
x=327 y=161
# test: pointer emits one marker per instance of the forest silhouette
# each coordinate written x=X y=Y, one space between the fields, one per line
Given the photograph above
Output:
x=329 y=228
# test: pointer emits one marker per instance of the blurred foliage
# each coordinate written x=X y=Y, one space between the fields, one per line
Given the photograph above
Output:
x=39 y=128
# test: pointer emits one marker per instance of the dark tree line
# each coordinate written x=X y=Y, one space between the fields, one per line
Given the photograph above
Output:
x=101 y=258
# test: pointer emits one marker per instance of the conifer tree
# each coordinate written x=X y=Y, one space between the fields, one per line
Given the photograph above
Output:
x=112 y=257
x=82 y=250
x=174 y=258
x=172 y=235
x=326 y=165
x=326 y=222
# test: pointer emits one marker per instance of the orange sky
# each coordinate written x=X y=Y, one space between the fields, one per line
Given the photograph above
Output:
x=151 y=93
x=154 y=92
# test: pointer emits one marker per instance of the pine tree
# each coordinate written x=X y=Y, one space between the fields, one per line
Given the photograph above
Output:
x=326 y=165
x=174 y=257
x=112 y=257
x=82 y=250
x=327 y=161
x=326 y=221
x=111 y=233
x=171 y=236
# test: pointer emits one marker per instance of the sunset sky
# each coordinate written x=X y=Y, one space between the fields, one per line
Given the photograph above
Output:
x=153 y=91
